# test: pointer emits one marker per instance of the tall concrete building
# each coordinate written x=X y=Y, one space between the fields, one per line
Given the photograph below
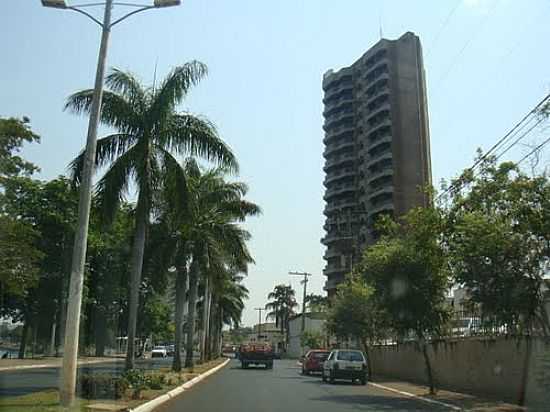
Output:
x=377 y=147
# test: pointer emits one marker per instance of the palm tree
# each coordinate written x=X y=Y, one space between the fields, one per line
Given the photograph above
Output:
x=149 y=133
x=209 y=241
x=282 y=305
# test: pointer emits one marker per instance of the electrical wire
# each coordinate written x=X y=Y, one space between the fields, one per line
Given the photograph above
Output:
x=540 y=146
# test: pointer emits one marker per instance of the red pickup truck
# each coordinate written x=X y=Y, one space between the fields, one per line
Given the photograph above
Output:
x=256 y=354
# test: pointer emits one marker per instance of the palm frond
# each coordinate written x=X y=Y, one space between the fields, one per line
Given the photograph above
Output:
x=191 y=135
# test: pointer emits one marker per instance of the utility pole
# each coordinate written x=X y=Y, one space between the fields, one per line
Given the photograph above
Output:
x=259 y=321
x=304 y=281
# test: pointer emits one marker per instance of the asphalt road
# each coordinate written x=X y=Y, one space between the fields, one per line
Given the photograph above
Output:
x=15 y=383
x=283 y=389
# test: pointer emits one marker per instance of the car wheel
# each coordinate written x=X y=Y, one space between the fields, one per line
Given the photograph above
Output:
x=331 y=378
x=244 y=365
x=306 y=372
x=363 y=381
x=323 y=377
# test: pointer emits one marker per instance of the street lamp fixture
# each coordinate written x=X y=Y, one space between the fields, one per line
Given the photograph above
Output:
x=166 y=3
x=56 y=4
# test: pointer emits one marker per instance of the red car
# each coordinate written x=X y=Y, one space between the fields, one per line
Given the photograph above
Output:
x=313 y=361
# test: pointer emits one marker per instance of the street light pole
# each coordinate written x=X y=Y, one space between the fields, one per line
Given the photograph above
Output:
x=304 y=282
x=68 y=379
x=72 y=325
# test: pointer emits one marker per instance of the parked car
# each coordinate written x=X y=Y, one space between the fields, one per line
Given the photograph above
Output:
x=345 y=364
x=159 y=352
x=170 y=349
x=313 y=361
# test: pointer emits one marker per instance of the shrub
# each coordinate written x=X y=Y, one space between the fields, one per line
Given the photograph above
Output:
x=102 y=386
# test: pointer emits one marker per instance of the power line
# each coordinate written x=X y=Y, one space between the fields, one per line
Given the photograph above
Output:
x=515 y=142
x=440 y=31
x=518 y=126
x=540 y=146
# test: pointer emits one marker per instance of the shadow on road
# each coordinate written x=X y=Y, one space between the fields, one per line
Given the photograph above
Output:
x=379 y=403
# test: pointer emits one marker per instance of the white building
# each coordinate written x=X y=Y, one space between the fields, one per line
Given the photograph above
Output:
x=315 y=322
x=267 y=332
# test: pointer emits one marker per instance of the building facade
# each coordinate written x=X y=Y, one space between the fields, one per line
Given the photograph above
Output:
x=377 y=147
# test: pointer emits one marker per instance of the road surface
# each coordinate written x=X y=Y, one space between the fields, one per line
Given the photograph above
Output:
x=15 y=383
x=283 y=389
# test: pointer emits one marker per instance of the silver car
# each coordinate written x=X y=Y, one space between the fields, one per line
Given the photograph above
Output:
x=345 y=364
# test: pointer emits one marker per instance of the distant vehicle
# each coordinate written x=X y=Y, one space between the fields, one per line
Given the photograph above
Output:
x=345 y=364
x=170 y=349
x=159 y=352
x=313 y=361
x=256 y=354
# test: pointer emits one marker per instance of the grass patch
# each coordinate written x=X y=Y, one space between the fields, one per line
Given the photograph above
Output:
x=48 y=400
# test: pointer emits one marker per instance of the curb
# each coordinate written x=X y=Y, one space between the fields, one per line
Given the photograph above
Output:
x=46 y=365
x=152 y=404
x=421 y=398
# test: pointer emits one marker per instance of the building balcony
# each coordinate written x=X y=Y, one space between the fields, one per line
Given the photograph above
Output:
x=331 y=105
x=384 y=206
x=331 y=270
x=372 y=177
x=384 y=190
x=331 y=284
x=379 y=157
x=331 y=91
x=376 y=128
x=380 y=88
x=337 y=117
x=338 y=130
x=332 y=254
x=333 y=237
x=334 y=175
x=377 y=71
x=339 y=189
x=339 y=159
x=339 y=204
x=383 y=140
x=337 y=145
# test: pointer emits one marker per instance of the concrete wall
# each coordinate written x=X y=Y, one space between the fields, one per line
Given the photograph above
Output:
x=489 y=367
x=294 y=349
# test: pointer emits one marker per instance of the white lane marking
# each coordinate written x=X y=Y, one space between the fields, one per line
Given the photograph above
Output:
x=412 y=395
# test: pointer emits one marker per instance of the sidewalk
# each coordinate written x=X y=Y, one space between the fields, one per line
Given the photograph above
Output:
x=462 y=401
x=48 y=362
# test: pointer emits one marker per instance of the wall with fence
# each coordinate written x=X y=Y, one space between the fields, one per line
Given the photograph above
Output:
x=489 y=367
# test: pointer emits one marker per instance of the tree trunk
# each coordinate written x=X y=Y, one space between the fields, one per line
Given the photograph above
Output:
x=525 y=371
x=428 y=365
x=52 y=336
x=212 y=327
x=181 y=284
x=136 y=264
x=23 y=343
x=193 y=291
x=205 y=312
x=369 y=362
x=100 y=335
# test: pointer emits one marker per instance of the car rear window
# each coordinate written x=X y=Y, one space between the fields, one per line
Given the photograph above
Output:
x=319 y=355
x=350 y=356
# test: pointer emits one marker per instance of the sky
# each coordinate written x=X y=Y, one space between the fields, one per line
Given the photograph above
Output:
x=486 y=63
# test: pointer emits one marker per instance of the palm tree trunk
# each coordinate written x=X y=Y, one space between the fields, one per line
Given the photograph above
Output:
x=23 y=343
x=135 y=280
x=181 y=284
x=193 y=291
x=212 y=327
x=205 y=312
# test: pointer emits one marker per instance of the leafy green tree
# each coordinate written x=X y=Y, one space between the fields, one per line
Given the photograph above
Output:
x=355 y=314
x=312 y=339
x=282 y=306
x=13 y=134
x=408 y=270
x=498 y=235
x=149 y=132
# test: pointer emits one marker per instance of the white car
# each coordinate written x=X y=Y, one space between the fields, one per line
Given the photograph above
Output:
x=159 y=352
x=345 y=364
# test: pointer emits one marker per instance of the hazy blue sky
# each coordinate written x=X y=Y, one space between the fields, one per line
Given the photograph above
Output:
x=487 y=63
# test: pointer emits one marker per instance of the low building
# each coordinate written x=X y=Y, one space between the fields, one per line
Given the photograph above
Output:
x=267 y=332
x=315 y=322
